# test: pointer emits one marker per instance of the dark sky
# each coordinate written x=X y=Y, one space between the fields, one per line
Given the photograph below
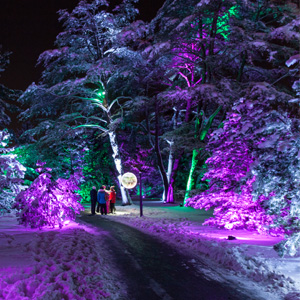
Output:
x=29 y=27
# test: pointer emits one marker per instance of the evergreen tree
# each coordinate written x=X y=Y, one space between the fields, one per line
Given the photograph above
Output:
x=80 y=82
x=11 y=174
x=247 y=171
x=8 y=99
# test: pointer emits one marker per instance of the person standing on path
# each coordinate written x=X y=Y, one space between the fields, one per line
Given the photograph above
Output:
x=112 y=199
x=107 y=193
x=101 y=200
x=93 y=195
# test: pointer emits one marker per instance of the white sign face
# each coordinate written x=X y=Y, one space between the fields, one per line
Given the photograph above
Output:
x=129 y=180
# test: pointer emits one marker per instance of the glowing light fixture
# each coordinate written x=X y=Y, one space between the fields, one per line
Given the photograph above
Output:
x=129 y=180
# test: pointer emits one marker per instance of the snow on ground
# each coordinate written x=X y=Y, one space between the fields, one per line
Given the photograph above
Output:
x=249 y=256
x=55 y=264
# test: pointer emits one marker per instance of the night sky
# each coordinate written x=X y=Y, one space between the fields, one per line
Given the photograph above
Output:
x=29 y=27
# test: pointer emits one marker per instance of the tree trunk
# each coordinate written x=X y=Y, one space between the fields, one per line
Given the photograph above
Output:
x=158 y=154
x=206 y=124
x=170 y=194
x=188 y=110
x=170 y=161
x=240 y=73
x=213 y=31
x=126 y=200
x=202 y=51
x=190 y=182
x=169 y=173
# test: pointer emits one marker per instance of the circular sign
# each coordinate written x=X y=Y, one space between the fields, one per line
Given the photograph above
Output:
x=129 y=180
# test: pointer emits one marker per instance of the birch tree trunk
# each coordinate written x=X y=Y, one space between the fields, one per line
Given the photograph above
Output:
x=169 y=172
x=170 y=195
x=126 y=200
x=159 y=156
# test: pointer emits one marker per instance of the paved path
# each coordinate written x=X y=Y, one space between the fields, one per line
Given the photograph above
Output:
x=153 y=270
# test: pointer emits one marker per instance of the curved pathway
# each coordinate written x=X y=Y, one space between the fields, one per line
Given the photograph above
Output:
x=154 y=270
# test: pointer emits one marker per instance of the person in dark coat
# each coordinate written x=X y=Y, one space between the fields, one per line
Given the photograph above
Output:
x=101 y=199
x=93 y=194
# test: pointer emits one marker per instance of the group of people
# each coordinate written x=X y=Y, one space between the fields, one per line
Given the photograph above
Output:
x=105 y=200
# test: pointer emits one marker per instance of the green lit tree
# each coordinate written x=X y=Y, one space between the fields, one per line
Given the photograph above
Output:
x=192 y=45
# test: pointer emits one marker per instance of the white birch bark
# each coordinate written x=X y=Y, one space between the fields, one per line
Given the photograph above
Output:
x=170 y=165
x=118 y=163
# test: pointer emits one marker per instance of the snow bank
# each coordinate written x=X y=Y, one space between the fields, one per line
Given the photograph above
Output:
x=69 y=263
x=55 y=264
x=250 y=255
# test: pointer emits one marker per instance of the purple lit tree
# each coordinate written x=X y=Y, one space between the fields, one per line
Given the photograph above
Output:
x=192 y=45
x=254 y=167
x=230 y=191
x=255 y=156
x=47 y=202
x=11 y=174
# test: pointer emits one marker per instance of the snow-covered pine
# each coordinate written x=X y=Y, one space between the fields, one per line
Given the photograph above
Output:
x=82 y=66
x=11 y=174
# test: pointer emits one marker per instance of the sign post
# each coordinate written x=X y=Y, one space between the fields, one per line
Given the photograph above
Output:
x=141 y=196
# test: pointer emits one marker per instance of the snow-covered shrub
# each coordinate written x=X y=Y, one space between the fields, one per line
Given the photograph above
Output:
x=47 y=202
x=11 y=174
x=260 y=142
x=287 y=35
x=294 y=64
x=277 y=164
x=230 y=191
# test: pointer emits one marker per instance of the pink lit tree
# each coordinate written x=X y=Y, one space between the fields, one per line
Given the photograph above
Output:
x=230 y=180
x=254 y=167
x=47 y=202
x=193 y=42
